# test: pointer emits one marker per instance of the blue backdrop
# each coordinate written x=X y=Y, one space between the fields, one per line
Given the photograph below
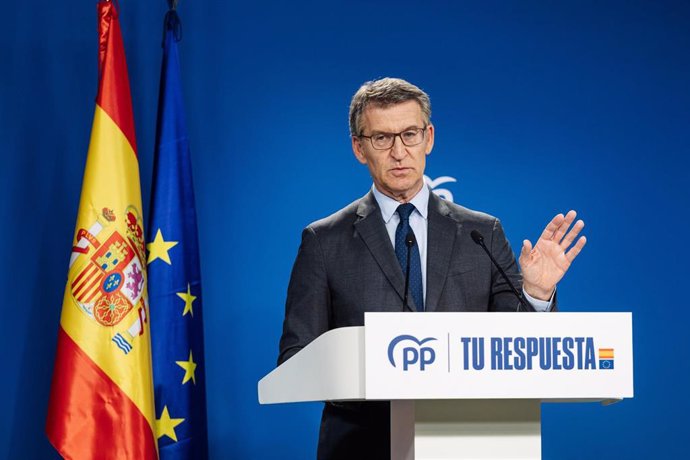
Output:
x=539 y=107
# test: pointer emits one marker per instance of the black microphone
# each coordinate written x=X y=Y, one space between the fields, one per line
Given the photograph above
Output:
x=409 y=242
x=479 y=239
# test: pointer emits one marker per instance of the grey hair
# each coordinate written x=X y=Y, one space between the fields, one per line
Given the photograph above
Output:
x=383 y=93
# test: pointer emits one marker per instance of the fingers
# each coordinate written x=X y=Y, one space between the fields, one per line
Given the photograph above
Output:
x=572 y=234
x=575 y=250
x=559 y=225
x=552 y=226
x=565 y=224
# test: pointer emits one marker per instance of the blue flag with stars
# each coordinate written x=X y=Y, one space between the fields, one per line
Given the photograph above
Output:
x=174 y=278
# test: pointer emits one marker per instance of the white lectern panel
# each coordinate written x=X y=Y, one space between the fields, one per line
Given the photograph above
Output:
x=498 y=355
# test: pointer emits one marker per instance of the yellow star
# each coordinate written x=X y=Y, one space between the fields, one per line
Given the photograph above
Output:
x=189 y=368
x=159 y=248
x=165 y=426
x=188 y=299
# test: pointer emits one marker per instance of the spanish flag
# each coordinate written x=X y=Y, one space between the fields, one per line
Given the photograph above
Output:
x=101 y=401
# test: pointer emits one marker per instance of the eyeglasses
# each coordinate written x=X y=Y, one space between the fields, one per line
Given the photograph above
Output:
x=384 y=141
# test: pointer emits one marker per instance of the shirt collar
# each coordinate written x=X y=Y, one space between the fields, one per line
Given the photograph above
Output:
x=388 y=205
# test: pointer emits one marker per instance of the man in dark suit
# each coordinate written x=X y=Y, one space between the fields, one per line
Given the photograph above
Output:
x=354 y=260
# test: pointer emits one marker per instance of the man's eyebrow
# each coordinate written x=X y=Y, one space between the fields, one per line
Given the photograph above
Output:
x=391 y=132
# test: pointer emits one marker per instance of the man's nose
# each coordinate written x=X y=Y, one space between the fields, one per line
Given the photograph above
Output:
x=398 y=150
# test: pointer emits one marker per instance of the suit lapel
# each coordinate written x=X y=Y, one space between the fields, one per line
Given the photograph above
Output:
x=442 y=230
x=372 y=229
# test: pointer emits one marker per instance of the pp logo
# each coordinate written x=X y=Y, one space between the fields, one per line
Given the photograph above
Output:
x=412 y=354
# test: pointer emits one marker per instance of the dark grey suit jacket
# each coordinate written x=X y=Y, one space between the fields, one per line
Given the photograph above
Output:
x=346 y=265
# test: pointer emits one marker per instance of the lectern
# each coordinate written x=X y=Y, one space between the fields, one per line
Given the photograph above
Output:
x=463 y=385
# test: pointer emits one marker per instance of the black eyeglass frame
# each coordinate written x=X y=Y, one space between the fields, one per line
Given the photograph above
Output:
x=422 y=130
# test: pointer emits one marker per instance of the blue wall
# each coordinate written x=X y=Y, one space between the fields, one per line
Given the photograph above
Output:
x=539 y=107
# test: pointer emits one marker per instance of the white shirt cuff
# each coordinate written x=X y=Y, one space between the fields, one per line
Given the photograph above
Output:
x=539 y=305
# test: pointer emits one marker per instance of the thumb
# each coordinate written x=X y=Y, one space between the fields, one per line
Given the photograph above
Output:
x=526 y=249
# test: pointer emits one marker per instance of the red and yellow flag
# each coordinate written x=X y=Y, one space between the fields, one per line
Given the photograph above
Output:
x=101 y=401
x=605 y=353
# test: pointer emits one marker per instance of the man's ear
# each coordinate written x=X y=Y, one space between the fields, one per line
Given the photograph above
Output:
x=357 y=150
x=430 y=138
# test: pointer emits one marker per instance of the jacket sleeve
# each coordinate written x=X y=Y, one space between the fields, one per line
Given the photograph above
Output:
x=308 y=298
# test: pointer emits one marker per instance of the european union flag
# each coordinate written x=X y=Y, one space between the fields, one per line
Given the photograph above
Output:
x=174 y=275
x=605 y=364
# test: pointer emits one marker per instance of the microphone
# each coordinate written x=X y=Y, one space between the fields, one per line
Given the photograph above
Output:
x=409 y=242
x=479 y=239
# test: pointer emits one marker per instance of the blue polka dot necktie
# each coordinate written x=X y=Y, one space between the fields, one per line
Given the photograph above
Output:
x=415 y=289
